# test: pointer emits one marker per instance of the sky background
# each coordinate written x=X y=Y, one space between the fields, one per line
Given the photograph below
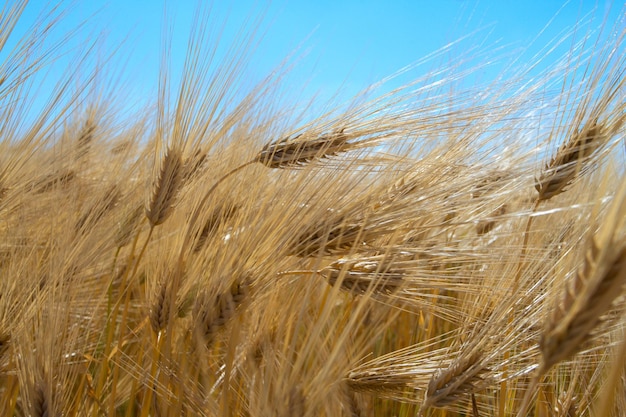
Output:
x=341 y=45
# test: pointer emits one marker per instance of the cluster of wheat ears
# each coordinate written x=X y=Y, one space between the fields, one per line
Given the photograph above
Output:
x=437 y=250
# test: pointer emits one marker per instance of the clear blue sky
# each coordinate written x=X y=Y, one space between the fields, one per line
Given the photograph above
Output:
x=347 y=43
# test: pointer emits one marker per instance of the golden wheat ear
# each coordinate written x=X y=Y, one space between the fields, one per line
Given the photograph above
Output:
x=165 y=188
x=570 y=160
x=213 y=312
x=589 y=295
x=286 y=152
x=449 y=385
x=586 y=299
x=85 y=137
x=359 y=277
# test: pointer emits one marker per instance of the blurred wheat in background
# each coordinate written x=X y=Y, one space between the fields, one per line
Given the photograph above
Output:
x=439 y=249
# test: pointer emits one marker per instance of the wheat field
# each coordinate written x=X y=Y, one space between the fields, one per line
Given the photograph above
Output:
x=436 y=250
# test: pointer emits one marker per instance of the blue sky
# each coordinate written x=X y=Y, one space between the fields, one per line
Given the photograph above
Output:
x=341 y=44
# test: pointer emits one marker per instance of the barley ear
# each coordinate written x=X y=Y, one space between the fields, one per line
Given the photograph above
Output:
x=160 y=311
x=463 y=377
x=165 y=188
x=287 y=153
x=85 y=137
x=570 y=160
x=212 y=313
x=359 y=277
x=584 y=301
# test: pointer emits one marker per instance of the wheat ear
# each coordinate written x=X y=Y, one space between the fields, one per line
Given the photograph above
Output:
x=588 y=296
x=85 y=137
x=41 y=406
x=359 y=277
x=213 y=313
x=286 y=153
x=584 y=301
x=165 y=188
x=463 y=377
x=160 y=311
x=219 y=215
x=126 y=229
x=94 y=213
x=51 y=181
x=5 y=339
x=570 y=159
